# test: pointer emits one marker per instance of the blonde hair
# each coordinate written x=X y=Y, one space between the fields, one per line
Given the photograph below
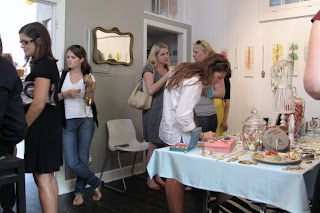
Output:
x=205 y=46
x=152 y=59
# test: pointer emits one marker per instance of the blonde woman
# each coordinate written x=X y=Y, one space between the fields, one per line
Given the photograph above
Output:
x=155 y=75
x=205 y=110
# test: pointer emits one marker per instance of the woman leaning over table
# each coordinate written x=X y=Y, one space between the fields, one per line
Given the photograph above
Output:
x=78 y=120
x=158 y=62
x=43 y=148
x=182 y=93
x=205 y=109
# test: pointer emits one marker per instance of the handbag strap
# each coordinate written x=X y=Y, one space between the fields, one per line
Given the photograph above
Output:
x=142 y=81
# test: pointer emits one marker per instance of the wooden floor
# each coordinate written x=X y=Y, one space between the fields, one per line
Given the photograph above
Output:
x=137 y=199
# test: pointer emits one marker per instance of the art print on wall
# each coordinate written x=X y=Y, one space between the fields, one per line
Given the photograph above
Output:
x=293 y=49
x=277 y=53
x=249 y=61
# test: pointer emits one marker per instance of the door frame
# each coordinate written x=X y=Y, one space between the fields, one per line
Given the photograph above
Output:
x=181 y=39
x=58 y=50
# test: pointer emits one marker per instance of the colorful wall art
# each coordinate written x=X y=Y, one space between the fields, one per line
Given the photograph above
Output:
x=277 y=53
x=293 y=49
x=249 y=62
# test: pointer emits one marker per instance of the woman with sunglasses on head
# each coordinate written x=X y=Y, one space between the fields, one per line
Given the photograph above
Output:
x=205 y=110
x=43 y=142
x=181 y=94
x=221 y=94
x=79 y=118
x=155 y=75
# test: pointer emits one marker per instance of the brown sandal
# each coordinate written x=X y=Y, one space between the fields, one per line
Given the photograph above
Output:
x=98 y=194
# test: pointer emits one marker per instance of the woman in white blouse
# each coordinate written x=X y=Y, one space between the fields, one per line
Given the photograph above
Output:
x=79 y=118
x=182 y=93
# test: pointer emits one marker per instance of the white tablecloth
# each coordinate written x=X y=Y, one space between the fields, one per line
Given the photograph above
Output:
x=266 y=183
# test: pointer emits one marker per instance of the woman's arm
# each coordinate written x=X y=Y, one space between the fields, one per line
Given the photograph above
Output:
x=4 y=97
x=151 y=86
x=311 y=79
x=219 y=90
x=40 y=94
x=224 y=123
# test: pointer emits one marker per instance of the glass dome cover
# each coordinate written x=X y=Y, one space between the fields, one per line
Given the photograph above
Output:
x=254 y=119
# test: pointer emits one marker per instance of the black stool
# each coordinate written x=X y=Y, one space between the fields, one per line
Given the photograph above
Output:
x=12 y=171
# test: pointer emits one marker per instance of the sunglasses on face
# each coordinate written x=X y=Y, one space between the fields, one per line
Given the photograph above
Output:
x=24 y=42
x=200 y=43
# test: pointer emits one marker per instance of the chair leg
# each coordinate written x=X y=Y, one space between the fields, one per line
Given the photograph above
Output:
x=123 y=182
x=132 y=169
x=134 y=161
x=104 y=165
x=20 y=189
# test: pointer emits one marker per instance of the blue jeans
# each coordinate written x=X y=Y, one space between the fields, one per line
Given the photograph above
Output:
x=77 y=138
x=208 y=123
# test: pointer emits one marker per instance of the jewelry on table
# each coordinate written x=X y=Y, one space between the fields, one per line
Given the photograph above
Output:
x=248 y=162
x=291 y=168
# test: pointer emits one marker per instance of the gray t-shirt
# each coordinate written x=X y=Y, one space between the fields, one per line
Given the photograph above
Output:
x=205 y=107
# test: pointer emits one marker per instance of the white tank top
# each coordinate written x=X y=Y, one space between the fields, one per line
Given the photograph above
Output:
x=76 y=107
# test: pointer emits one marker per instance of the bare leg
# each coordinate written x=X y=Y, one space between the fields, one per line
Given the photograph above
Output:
x=175 y=195
x=150 y=181
x=48 y=192
x=54 y=185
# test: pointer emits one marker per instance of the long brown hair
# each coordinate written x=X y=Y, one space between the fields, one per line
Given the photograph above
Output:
x=203 y=70
x=36 y=31
x=80 y=52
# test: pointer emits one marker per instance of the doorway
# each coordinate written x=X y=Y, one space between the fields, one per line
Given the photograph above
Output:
x=174 y=37
x=51 y=13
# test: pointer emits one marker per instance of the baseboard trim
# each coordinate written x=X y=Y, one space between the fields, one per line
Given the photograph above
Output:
x=67 y=186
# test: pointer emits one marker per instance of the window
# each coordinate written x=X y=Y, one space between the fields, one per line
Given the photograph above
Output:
x=280 y=9
x=167 y=8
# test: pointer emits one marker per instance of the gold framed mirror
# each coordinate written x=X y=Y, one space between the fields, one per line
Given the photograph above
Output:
x=112 y=46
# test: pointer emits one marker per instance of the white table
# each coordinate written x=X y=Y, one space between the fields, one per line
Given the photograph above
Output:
x=266 y=183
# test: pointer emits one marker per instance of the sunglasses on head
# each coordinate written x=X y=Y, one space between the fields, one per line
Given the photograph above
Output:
x=25 y=42
x=200 y=43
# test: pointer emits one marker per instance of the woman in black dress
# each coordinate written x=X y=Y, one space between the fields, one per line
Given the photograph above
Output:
x=155 y=75
x=43 y=143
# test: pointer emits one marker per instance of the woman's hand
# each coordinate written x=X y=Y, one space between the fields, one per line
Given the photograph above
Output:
x=88 y=80
x=73 y=93
x=224 y=126
x=208 y=135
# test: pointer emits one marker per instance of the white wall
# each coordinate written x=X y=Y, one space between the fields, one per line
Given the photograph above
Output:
x=234 y=24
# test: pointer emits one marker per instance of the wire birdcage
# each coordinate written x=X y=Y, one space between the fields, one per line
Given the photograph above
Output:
x=281 y=83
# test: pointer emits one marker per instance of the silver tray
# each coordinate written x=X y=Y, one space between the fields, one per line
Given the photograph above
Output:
x=284 y=160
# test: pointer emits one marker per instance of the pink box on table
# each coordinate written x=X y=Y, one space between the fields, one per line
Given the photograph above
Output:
x=224 y=145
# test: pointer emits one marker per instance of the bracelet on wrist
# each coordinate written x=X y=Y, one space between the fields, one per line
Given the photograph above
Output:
x=62 y=95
